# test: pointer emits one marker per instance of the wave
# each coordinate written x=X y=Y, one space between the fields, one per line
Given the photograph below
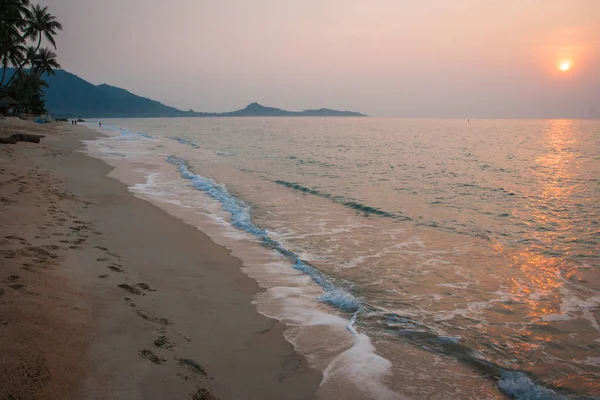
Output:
x=514 y=383
x=519 y=386
x=300 y=188
x=343 y=201
x=185 y=141
x=239 y=211
x=476 y=232
x=349 y=363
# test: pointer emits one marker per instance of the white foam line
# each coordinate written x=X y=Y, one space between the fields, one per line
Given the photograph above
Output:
x=361 y=367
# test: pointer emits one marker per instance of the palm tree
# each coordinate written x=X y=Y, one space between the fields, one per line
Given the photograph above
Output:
x=29 y=56
x=41 y=23
x=12 y=20
x=13 y=14
x=37 y=23
x=11 y=53
x=45 y=62
x=20 y=24
x=28 y=87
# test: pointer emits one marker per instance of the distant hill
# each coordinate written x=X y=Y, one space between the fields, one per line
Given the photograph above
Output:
x=71 y=96
x=257 y=110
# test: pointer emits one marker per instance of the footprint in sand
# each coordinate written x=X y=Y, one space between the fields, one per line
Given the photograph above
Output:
x=16 y=286
x=156 y=320
x=163 y=342
x=131 y=303
x=110 y=253
x=38 y=251
x=192 y=366
x=151 y=356
x=130 y=289
x=14 y=237
x=8 y=253
x=145 y=286
x=204 y=394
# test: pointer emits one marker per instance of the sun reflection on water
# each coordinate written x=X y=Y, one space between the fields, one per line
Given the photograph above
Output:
x=541 y=261
x=544 y=264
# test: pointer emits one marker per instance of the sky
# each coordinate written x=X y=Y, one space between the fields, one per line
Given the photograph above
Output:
x=404 y=58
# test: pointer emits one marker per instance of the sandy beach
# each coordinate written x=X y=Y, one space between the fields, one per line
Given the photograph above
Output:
x=105 y=296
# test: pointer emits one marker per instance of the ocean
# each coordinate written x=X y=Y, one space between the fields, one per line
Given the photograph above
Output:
x=408 y=258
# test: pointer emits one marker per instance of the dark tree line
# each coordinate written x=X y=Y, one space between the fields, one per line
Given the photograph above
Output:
x=22 y=29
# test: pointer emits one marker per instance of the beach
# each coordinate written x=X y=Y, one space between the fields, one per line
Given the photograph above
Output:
x=105 y=296
x=186 y=258
x=310 y=204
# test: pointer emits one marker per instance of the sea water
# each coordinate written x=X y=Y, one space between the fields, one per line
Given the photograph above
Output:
x=438 y=259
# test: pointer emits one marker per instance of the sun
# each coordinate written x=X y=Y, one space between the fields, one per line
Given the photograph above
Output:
x=565 y=65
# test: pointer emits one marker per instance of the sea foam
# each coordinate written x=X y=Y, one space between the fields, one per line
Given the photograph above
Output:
x=519 y=386
x=358 y=366
x=239 y=212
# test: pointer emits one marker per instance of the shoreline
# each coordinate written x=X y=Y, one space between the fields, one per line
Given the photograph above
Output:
x=354 y=364
x=161 y=309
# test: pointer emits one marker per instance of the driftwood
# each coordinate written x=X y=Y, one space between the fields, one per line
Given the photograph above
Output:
x=8 y=140
x=21 y=137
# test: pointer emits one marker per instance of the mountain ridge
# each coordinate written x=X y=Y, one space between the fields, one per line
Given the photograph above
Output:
x=72 y=96
x=256 y=109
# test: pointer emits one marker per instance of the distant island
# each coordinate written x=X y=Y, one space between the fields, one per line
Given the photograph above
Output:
x=71 y=96
x=257 y=110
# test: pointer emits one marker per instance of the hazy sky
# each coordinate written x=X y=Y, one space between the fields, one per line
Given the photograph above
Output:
x=442 y=58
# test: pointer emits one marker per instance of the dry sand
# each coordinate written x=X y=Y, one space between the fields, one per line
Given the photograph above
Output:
x=104 y=296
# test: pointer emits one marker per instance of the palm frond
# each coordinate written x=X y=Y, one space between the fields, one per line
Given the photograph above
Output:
x=50 y=38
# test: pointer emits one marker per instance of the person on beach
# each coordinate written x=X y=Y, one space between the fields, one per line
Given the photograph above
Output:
x=100 y=124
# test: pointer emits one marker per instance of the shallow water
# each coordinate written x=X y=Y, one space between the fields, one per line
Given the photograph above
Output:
x=409 y=258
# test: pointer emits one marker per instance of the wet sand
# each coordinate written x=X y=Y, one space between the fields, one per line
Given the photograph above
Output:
x=105 y=296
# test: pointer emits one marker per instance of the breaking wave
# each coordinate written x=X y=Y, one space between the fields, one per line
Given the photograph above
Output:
x=239 y=212
x=345 y=202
